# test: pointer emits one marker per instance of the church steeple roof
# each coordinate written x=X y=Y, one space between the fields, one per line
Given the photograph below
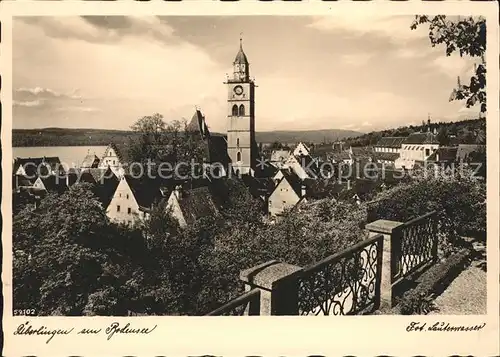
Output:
x=241 y=58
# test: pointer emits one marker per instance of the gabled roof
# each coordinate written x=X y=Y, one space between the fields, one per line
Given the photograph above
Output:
x=421 y=138
x=100 y=174
x=196 y=203
x=145 y=190
x=448 y=154
x=54 y=183
x=32 y=165
x=293 y=180
x=198 y=124
x=120 y=151
x=391 y=142
x=258 y=187
x=217 y=149
x=90 y=160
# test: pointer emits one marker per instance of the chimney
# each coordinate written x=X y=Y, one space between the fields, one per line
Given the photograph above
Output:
x=303 y=190
x=178 y=192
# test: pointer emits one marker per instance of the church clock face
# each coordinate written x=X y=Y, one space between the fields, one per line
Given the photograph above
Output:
x=238 y=90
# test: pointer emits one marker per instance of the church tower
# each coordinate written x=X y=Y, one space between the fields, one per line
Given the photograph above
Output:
x=241 y=145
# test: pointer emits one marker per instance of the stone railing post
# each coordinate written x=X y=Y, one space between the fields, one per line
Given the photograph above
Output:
x=278 y=290
x=390 y=256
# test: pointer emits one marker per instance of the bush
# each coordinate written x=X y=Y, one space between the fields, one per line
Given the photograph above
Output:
x=433 y=282
x=458 y=200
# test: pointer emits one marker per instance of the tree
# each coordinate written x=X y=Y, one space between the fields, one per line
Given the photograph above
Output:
x=443 y=137
x=159 y=142
x=467 y=35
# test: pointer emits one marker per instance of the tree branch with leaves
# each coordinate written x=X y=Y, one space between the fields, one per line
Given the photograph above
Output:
x=467 y=36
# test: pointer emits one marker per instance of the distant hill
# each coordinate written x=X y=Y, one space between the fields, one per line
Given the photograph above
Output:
x=95 y=137
x=468 y=131
x=309 y=136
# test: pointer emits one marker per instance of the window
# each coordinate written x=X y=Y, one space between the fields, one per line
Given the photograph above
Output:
x=118 y=208
x=427 y=152
x=127 y=196
x=113 y=162
x=238 y=142
x=235 y=110
x=238 y=156
x=120 y=195
x=242 y=110
x=129 y=210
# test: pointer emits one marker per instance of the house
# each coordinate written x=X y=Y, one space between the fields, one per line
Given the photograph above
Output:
x=90 y=161
x=114 y=159
x=133 y=199
x=33 y=167
x=301 y=150
x=279 y=157
x=187 y=206
x=444 y=155
x=288 y=192
x=386 y=158
x=389 y=144
x=104 y=182
x=49 y=184
x=303 y=166
x=416 y=148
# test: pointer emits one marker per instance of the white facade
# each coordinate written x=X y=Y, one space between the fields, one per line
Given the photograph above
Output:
x=301 y=150
x=283 y=197
x=110 y=159
x=410 y=153
x=123 y=207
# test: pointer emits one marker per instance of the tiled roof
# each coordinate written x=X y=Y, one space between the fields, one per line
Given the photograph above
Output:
x=421 y=138
x=217 y=148
x=145 y=190
x=197 y=203
x=386 y=156
x=91 y=160
x=198 y=124
x=464 y=151
x=31 y=165
x=54 y=183
x=444 y=154
x=391 y=142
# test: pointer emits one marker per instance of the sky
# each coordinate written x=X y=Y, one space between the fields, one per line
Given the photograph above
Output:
x=358 y=73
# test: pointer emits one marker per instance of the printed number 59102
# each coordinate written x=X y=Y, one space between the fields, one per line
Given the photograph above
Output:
x=24 y=312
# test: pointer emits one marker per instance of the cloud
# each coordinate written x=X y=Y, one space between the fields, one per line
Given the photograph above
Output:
x=394 y=27
x=44 y=93
x=357 y=59
x=365 y=123
x=79 y=109
x=30 y=103
x=102 y=29
x=453 y=65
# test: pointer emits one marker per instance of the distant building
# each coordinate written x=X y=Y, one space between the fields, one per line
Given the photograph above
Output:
x=49 y=184
x=416 y=148
x=288 y=192
x=133 y=199
x=279 y=157
x=90 y=161
x=113 y=158
x=187 y=206
x=390 y=144
x=467 y=153
x=33 y=167
x=301 y=150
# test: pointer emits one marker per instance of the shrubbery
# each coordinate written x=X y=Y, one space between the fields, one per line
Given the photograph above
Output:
x=459 y=201
x=433 y=281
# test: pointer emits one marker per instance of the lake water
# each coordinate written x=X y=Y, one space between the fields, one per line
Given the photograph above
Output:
x=69 y=155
